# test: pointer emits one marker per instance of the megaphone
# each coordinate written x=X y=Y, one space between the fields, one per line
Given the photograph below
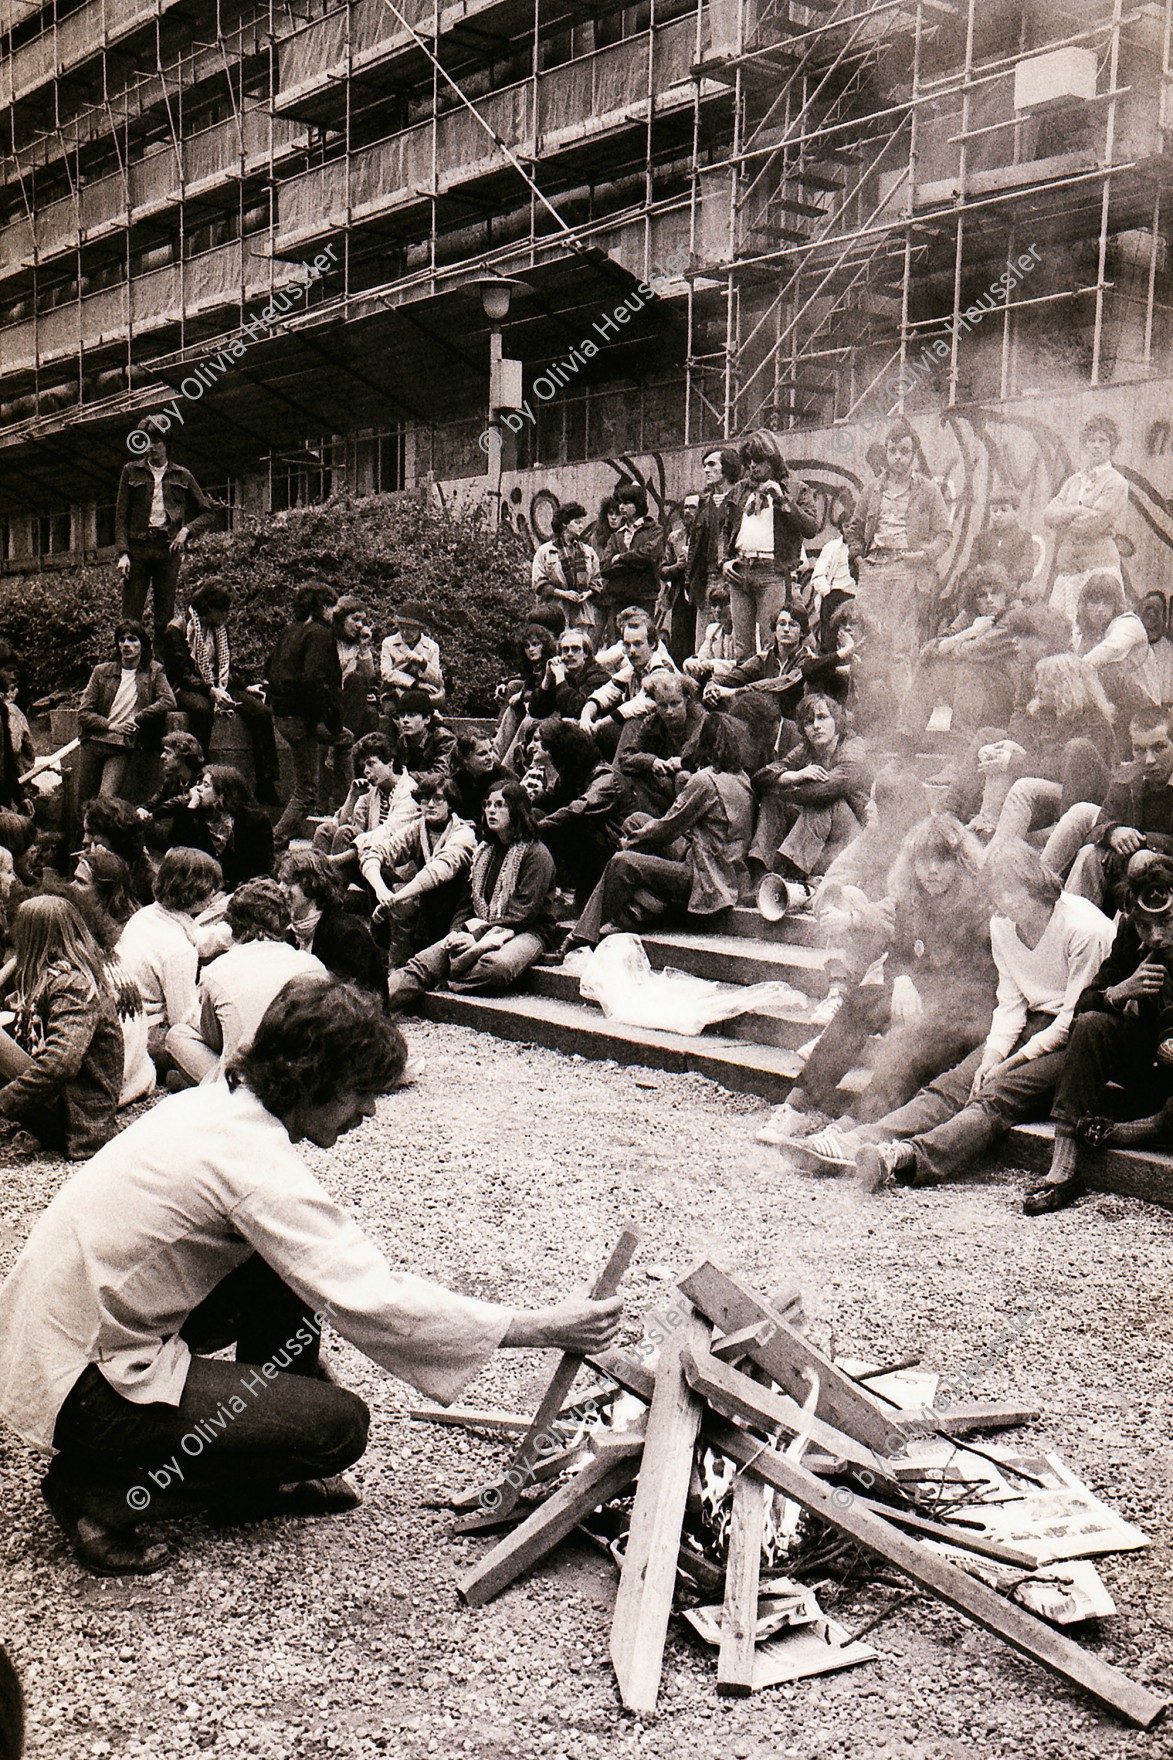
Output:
x=776 y=896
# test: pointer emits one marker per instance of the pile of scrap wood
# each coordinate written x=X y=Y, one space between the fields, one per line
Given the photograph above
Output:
x=814 y=1455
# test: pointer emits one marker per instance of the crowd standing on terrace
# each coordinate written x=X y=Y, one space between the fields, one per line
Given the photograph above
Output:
x=967 y=783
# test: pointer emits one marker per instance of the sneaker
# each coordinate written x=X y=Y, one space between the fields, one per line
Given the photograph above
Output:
x=880 y=1164
x=821 y=1014
x=830 y=1148
x=784 y=1124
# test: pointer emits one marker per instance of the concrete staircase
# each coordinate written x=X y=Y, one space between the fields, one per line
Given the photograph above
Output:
x=754 y=1053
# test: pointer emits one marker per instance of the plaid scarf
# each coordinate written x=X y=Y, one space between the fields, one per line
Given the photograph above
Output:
x=486 y=905
x=209 y=650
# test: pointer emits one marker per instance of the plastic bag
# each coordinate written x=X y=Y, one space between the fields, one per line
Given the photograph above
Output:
x=619 y=977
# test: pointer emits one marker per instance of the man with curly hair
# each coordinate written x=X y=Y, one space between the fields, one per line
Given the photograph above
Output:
x=202 y=1225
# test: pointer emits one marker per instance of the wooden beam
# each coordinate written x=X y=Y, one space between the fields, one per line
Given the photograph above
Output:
x=734 y=1395
x=963 y=1538
x=785 y=1354
x=627 y=1372
x=958 y=1420
x=532 y=1446
x=505 y=1423
x=1021 y=1630
x=610 y=1473
x=648 y=1578
x=743 y=1567
x=735 y=1345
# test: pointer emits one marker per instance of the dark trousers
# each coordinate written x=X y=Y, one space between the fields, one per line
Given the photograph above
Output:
x=154 y=569
x=464 y=969
x=909 y=1055
x=634 y=890
x=258 y=721
x=300 y=736
x=421 y=921
x=1111 y=1048
x=948 y=1131
x=234 y=1430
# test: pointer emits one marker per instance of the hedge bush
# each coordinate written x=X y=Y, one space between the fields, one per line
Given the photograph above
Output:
x=474 y=581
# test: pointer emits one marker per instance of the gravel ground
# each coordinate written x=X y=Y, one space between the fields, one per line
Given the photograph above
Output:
x=506 y=1173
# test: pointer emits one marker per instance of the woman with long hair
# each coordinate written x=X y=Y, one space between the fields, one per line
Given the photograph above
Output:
x=125 y=705
x=61 y=1062
x=222 y=818
x=1058 y=751
x=1047 y=946
x=509 y=921
x=538 y=647
x=937 y=994
x=1110 y=638
x=692 y=858
x=811 y=802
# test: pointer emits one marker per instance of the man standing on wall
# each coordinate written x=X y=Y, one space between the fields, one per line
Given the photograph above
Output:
x=160 y=506
x=1085 y=516
x=706 y=547
x=896 y=540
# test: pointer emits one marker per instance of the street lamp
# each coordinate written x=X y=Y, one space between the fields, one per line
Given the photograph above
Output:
x=505 y=388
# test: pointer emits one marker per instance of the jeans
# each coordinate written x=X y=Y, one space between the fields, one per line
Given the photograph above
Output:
x=488 y=974
x=910 y=1054
x=758 y=589
x=1112 y=1048
x=101 y=769
x=233 y=1430
x=301 y=738
x=634 y=888
x=948 y=1131
x=154 y=568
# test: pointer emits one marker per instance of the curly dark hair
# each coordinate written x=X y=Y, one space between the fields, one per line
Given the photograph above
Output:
x=318 y=1040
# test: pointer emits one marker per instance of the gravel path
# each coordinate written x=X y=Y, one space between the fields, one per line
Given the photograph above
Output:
x=506 y=1173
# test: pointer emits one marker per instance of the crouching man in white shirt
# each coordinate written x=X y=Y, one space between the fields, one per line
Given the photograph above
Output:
x=201 y=1225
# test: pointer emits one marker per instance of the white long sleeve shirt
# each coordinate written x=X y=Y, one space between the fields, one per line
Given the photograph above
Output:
x=1047 y=979
x=136 y=1239
x=156 y=949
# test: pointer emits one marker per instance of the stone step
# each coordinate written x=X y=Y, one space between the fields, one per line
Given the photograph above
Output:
x=787 y=1030
x=581 y=1028
x=734 y=959
x=1130 y=1173
x=798 y=929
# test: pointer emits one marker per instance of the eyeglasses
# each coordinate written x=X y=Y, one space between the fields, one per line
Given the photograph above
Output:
x=571 y=648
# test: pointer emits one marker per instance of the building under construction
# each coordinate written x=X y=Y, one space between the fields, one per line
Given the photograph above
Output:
x=755 y=212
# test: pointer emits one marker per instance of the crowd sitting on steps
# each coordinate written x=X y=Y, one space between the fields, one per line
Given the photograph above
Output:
x=696 y=711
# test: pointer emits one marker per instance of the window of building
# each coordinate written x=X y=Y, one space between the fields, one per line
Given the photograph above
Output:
x=379 y=463
x=302 y=478
x=104 y=525
x=53 y=533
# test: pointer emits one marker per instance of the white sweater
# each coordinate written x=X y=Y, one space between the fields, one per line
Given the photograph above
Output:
x=1049 y=978
x=148 y=1228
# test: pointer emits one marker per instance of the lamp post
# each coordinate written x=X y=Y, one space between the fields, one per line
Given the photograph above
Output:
x=496 y=293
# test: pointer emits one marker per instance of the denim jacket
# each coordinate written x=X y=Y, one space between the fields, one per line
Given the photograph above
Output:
x=183 y=500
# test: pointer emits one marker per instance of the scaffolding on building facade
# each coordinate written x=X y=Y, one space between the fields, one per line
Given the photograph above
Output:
x=816 y=192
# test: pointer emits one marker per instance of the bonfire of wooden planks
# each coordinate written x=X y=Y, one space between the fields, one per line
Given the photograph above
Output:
x=736 y=1374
